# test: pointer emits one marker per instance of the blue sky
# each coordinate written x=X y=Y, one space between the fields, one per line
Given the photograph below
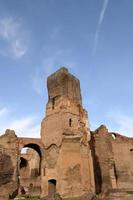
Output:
x=93 y=38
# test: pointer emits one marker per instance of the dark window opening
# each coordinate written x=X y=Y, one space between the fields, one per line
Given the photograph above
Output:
x=70 y=122
x=53 y=103
x=51 y=187
x=23 y=162
x=22 y=190
x=115 y=172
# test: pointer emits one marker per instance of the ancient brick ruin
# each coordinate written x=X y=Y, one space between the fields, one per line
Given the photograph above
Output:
x=68 y=158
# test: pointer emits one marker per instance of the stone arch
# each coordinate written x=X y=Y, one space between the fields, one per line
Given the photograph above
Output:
x=34 y=143
x=35 y=147
x=33 y=170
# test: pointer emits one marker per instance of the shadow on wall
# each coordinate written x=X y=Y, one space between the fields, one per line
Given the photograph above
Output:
x=6 y=169
x=16 y=192
x=97 y=169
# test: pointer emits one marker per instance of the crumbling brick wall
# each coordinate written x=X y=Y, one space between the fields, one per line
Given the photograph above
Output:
x=123 y=156
x=102 y=158
x=8 y=164
x=113 y=160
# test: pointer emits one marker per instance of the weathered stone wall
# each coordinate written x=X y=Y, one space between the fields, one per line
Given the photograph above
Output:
x=63 y=84
x=112 y=158
x=8 y=164
x=123 y=157
x=76 y=172
x=17 y=177
x=103 y=159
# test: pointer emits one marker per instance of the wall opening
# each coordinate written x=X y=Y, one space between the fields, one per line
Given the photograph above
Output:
x=97 y=167
x=32 y=152
x=53 y=103
x=70 y=122
x=23 y=162
x=113 y=176
x=113 y=136
x=30 y=167
x=51 y=187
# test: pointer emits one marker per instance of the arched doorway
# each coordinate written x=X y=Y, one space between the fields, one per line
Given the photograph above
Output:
x=30 y=168
x=35 y=148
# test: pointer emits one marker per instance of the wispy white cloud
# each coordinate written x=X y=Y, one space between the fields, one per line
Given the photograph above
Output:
x=123 y=123
x=53 y=58
x=13 y=37
x=18 y=124
x=27 y=126
x=101 y=18
x=3 y=111
x=41 y=74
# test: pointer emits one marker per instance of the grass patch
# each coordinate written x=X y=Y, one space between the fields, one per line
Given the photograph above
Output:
x=130 y=192
x=33 y=198
x=72 y=198
x=36 y=198
x=30 y=198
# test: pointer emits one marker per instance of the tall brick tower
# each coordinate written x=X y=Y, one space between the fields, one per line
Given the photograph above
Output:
x=67 y=165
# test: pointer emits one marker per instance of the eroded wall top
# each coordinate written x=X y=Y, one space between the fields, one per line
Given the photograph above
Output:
x=62 y=83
